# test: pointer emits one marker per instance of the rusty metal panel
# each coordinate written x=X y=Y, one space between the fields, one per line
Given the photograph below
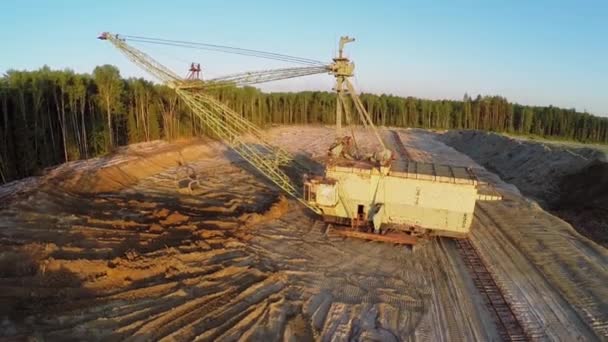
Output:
x=391 y=237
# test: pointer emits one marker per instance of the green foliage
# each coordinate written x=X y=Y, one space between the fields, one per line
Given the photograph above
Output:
x=51 y=116
x=99 y=140
x=109 y=87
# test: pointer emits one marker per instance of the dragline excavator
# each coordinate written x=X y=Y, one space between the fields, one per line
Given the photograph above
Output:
x=368 y=195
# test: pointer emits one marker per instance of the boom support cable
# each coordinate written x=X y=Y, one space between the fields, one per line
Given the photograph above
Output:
x=223 y=48
x=244 y=137
x=262 y=76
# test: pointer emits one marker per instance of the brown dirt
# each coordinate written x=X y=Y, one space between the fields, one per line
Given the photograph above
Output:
x=128 y=165
x=135 y=258
x=540 y=261
x=174 y=218
x=276 y=210
x=583 y=201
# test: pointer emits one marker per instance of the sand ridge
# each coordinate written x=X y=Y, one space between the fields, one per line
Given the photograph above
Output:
x=234 y=259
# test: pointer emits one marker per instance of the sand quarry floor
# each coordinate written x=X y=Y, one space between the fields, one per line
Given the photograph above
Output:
x=117 y=248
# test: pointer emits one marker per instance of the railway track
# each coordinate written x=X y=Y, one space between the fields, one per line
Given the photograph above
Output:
x=508 y=325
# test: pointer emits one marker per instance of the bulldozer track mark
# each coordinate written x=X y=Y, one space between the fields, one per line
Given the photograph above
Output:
x=565 y=275
x=169 y=286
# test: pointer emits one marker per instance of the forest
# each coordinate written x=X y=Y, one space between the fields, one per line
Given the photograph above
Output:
x=48 y=117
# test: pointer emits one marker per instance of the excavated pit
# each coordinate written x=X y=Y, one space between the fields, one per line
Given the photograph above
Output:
x=117 y=248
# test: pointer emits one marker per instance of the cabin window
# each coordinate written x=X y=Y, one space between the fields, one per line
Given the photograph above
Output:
x=309 y=194
x=360 y=210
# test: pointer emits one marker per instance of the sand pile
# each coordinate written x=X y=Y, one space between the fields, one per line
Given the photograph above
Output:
x=583 y=200
x=572 y=182
x=589 y=186
x=128 y=165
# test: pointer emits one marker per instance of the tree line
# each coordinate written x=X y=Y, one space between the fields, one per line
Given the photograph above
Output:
x=52 y=116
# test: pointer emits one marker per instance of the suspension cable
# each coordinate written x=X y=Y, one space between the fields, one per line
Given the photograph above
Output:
x=223 y=48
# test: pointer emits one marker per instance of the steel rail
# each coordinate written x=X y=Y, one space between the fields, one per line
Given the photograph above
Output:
x=508 y=324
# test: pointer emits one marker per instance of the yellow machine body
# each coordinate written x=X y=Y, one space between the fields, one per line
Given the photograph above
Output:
x=411 y=196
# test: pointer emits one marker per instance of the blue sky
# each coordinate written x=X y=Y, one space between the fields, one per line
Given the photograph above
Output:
x=532 y=52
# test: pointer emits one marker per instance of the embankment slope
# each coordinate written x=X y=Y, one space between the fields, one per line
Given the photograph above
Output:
x=571 y=182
